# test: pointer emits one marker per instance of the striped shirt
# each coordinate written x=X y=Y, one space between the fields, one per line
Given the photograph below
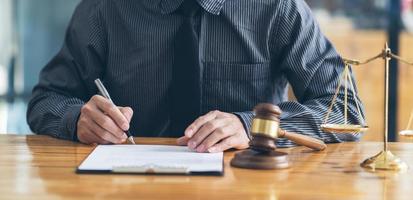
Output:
x=249 y=51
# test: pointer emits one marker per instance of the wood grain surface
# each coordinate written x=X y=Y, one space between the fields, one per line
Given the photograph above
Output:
x=41 y=167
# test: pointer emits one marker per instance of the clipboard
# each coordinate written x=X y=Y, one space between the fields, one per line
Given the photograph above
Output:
x=151 y=160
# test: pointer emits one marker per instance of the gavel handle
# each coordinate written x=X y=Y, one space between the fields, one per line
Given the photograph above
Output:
x=303 y=140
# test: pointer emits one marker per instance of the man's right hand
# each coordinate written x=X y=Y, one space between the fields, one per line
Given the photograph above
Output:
x=102 y=122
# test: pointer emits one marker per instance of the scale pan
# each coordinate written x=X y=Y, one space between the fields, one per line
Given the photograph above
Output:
x=343 y=128
x=406 y=133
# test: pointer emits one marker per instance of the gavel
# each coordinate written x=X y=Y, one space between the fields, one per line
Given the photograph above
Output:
x=265 y=131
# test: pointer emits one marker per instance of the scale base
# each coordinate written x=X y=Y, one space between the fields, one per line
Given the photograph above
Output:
x=385 y=160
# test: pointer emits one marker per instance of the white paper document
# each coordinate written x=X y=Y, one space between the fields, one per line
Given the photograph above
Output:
x=152 y=159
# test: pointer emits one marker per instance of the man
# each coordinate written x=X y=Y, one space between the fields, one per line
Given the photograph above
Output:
x=192 y=69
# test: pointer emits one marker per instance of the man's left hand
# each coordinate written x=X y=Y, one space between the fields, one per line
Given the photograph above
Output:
x=215 y=132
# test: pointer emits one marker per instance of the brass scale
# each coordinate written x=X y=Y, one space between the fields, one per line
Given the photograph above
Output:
x=384 y=160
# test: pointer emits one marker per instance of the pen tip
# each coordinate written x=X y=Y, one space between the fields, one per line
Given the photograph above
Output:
x=131 y=140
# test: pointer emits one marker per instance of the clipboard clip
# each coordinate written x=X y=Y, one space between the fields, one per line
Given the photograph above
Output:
x=151 y=169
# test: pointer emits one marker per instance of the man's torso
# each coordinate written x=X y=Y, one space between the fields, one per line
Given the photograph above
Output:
x=236 y=50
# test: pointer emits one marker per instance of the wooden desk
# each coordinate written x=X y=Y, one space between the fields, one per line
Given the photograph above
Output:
x=40 y=167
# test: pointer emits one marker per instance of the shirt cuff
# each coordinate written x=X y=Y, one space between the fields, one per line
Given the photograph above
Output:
x=69 y=122
x=246 y=119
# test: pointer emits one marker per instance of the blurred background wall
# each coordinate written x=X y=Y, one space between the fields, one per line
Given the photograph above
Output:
x=32 y=31
x=5 y=44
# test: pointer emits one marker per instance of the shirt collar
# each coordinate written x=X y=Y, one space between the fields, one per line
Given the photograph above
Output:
x=211 y=6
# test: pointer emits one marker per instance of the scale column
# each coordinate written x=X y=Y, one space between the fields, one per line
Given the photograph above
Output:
x=385 y=160
x=387 y=58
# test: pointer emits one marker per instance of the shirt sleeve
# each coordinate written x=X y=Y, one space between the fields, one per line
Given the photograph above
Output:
x=312 y=67
x=246 y=119
x=66 y=82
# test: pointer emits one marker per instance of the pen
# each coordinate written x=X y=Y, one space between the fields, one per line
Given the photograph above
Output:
x=105 y=94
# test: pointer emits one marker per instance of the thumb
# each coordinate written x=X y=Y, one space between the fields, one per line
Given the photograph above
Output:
x=182 y=141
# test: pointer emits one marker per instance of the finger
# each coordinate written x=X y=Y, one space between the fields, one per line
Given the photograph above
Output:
x=182 y=141
x=110 y=109
x=127 y=112
x=218 y=135
x=87 y=136
x=204 y=131
x=198 y=123
x=224 y=145
x=104 y=134
x=96 y=139
x=103 y=121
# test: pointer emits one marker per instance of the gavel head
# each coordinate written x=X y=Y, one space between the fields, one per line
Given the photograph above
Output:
x=264 y=129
